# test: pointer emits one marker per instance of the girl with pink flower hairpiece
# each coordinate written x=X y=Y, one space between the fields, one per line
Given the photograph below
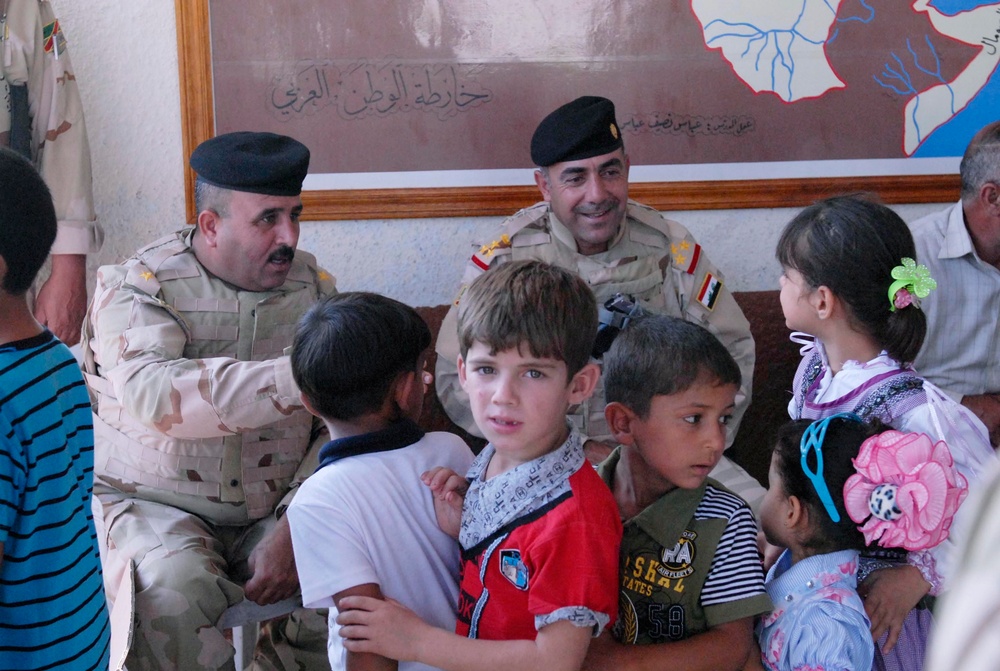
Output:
x=835 y=487
x=850 y=288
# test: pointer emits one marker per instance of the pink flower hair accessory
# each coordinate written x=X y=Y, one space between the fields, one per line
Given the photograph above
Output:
x=906 y=490
x=903 y=299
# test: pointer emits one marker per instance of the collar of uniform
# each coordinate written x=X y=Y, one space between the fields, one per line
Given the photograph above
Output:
x=395 y=436
x=957 y=241
x=564 y=235
x=187 y=235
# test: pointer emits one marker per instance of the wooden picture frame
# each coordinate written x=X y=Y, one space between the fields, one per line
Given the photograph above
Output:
x=198 y=124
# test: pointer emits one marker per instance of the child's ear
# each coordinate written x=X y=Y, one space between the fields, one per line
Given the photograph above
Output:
x=620 y=419
x=402 y=391
x=796 y=514
x=308 y=405
x=461 y=371
x=822 y=300
x=583 y=383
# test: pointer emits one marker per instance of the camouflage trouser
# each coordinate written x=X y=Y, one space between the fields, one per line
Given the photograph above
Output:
x=181 y=574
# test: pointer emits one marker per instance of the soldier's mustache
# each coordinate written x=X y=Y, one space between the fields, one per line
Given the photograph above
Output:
x=282 y=254
x=597 y=208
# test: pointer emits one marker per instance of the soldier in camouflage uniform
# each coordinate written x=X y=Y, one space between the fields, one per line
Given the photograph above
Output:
x=200 y=434
x=587 y=224
x=41 y=117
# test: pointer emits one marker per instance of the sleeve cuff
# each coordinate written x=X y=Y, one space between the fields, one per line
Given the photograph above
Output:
x=78 y=237
x=284 y=383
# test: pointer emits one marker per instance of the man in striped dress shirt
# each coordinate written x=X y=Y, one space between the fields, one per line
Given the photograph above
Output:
x=52 y=607
x=961 y=247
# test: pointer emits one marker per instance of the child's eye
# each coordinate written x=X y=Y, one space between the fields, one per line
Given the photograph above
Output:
x=725 y=419
x=534 y=374
x=693 y=419
x=484 y=370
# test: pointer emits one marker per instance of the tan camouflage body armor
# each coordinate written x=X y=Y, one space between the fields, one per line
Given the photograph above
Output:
x=653 y=259
x=195 y=409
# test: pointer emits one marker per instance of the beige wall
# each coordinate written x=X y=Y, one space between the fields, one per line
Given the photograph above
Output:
x=125 y=54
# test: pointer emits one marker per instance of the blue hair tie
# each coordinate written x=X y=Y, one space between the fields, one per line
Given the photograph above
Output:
x=812 y=439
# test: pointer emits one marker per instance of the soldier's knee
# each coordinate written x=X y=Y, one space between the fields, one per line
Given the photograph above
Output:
x=172 y=583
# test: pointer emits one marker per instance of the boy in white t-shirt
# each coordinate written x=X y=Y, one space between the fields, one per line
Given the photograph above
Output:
x=364 y=523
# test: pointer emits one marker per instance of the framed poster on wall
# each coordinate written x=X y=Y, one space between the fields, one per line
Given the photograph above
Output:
x=425 y=108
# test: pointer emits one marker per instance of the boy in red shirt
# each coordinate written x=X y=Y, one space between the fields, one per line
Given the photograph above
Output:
x=539 y=530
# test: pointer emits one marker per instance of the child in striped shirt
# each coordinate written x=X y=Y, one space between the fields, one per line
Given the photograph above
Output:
x=52 y=607
x=690 y=576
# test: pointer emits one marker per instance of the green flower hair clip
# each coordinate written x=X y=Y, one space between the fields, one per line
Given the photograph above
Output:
x=912 y=282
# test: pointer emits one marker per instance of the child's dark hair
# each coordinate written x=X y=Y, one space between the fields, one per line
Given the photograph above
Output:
x=841 y=444
x=850 y=244
x=27 y=221
x=545 y=307
x=658 y=355
x=350 y=348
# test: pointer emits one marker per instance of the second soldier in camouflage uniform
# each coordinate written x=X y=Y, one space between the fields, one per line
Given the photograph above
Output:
x=41 y=117
x=200 y=435
x=587 y=224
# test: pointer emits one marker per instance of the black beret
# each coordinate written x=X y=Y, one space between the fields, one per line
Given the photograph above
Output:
x=274 y=165
x=580 y=129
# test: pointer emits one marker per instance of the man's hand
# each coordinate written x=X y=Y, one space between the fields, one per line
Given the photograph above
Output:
x=61 y=303
x=987 y=408
x=448 y=489
x=272 y=567
x=889 y=595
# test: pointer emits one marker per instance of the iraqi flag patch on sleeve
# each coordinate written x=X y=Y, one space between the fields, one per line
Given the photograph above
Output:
x=710 y=290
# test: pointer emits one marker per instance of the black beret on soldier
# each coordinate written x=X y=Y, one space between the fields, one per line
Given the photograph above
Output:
x=580 y=129
x=274 y=165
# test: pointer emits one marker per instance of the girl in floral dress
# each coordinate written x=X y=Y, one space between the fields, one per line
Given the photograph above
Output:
x=852 y=283
x=826 y=477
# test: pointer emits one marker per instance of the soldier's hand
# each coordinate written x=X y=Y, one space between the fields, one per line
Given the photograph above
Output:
x=61 y=303
x=272 y=567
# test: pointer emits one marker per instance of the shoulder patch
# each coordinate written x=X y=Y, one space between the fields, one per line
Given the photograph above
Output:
x=710 y=290
x=684 y=255
x=143 y=279
x=53 y=38
x=684 y=251
x=489 y=252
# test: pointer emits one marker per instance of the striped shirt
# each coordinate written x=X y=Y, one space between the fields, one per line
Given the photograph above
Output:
x=961 y=353
x=688 y=563
x=52 y=606
x=736 y=568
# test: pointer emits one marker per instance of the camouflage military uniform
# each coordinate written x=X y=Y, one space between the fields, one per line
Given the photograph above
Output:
x=199 y=437
x=49 y=127
x=651 y=258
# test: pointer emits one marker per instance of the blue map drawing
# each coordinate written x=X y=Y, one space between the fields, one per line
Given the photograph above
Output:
x=953 y=7
x=951 y=138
